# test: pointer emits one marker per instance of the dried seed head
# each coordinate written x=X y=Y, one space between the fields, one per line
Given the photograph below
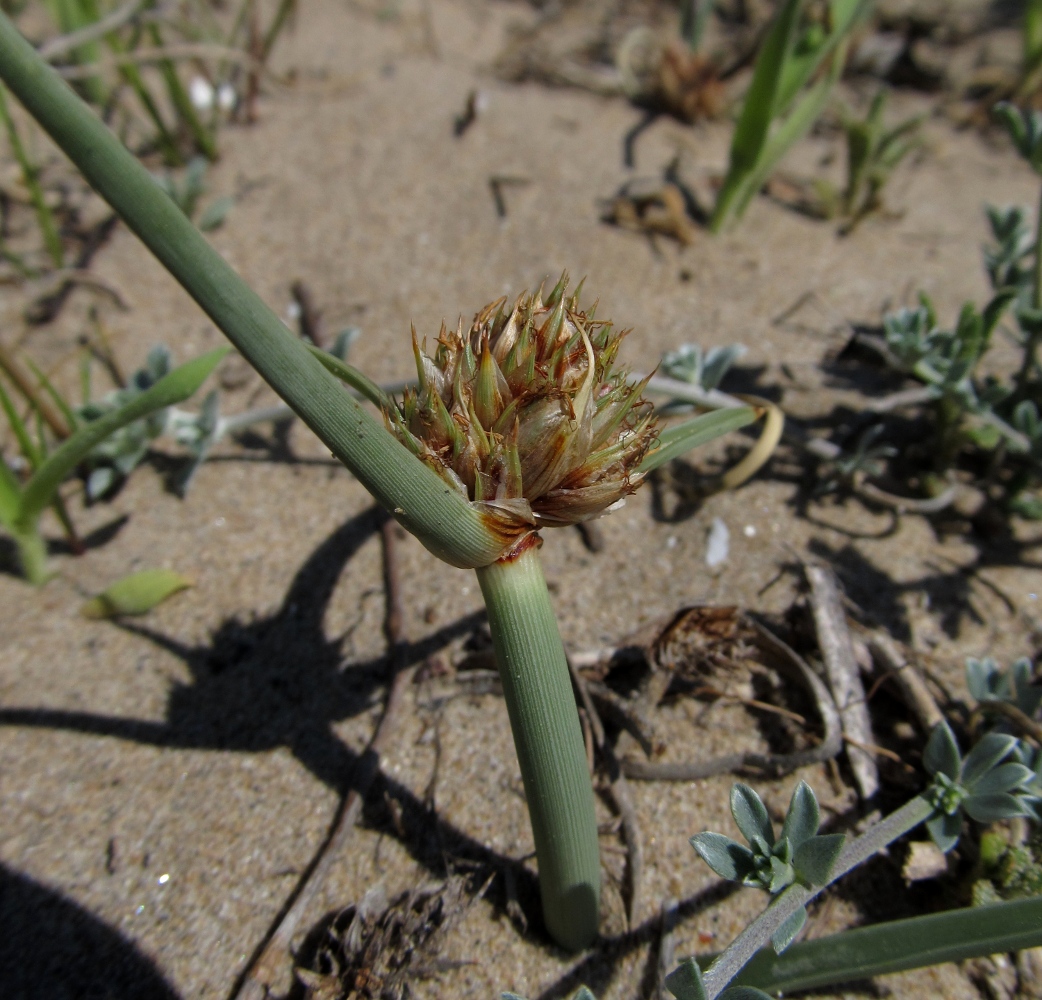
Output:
x=523 y=414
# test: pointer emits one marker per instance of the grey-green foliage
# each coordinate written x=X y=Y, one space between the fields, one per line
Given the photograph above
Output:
x=702 y=368
x=1008 y=259
x=120 y=453
x=798 y=854
x=197 y=432
x=685 y=983
x=1025 y=129
x=987 y=681
x=873 y=152
x=187 y=192
x=987 y=785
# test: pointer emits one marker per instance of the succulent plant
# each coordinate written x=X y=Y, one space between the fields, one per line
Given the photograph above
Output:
x=524 y=413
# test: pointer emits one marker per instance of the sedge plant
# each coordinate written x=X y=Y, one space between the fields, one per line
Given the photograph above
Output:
x=520 y=421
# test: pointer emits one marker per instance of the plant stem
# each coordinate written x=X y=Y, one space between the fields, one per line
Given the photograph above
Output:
x=758 y=933
x=1031 y=347
x=32 y=553
x=549 y=743
x=422 y=501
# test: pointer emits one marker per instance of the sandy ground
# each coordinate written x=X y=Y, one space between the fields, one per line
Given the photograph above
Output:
x=163 y=783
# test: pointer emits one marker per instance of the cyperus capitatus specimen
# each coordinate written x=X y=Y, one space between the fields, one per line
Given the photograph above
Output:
x=524 y=414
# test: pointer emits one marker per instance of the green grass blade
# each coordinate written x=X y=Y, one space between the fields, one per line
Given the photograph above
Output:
x=761 y=100
x=681 y=438
x=899 y=945
x=56 y=397
x=31 y=175
x=174 y=388
x=1032 y=35
x=442 y=519
x=792 y=129
x=201 y=135
x=803 y=61
x=10 y=495
x=21 y=432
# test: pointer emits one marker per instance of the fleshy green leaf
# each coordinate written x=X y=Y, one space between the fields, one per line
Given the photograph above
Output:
x=782 y=875
x=941 y=755
x=750 y=814
x=1003 y=778
x=214 y=214
x=728 y=858
x=991 y=808
x=945 y=830
x=784 y=935
x=990 y=749
x=583 y=993
x=816 y=857
x=803 y=817
x=685 y=981
x=135 y=594
x=744 y=993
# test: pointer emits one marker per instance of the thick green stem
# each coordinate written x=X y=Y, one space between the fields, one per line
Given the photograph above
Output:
x=438 y=515
x=549 y=743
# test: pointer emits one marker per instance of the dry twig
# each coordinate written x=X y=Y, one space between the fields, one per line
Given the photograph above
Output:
x=909 y=681
x=841 y=667
x=791 y=663
x=258 y=977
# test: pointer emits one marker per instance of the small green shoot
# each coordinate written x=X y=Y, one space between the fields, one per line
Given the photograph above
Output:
x=21 y=505
x=873 y=152
x=800 y=60
x=187 y=192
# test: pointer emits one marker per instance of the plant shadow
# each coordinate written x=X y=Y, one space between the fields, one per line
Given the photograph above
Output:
x=278 y=681
x=52 y=947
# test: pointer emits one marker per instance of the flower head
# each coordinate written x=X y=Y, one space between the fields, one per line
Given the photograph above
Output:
x=523 y=413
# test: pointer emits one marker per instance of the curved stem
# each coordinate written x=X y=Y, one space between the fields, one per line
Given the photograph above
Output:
x=549 y=744
x=758 y=934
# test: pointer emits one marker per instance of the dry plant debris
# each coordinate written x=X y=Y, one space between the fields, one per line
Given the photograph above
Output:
x=374 y=949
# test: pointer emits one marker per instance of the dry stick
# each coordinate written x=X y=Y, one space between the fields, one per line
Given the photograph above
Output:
x=667 y=947
x=310 y=314
x=63 y=44
x=789 y=661
x=257 y=979
x=17 y=373
x=1018 y=717
x=628 y=714
x=620 y=791
x=838 y=652
x=910 y=683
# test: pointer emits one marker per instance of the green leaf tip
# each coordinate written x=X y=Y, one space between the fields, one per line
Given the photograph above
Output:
x=685 y=981
x=135 y=594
